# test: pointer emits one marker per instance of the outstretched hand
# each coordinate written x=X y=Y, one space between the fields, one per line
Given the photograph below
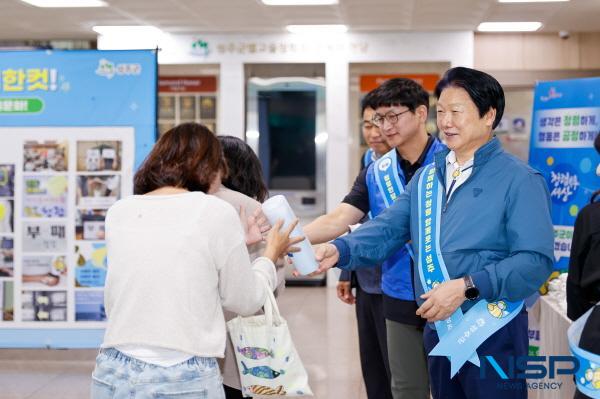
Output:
x=255 y=225
x=327 y=255
x=279 y=241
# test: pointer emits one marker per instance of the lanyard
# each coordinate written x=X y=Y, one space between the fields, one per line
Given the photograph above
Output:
x=455 y=176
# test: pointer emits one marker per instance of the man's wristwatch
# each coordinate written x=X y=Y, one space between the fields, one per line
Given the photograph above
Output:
x=471 y=292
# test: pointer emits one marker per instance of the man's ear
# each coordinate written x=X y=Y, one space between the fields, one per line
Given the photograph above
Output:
x=421 y=112
x=490 y=117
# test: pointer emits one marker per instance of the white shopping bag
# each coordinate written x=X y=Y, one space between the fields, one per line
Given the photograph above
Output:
x=266 y=357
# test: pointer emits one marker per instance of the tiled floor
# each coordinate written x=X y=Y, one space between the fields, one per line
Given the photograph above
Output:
x=323 y=329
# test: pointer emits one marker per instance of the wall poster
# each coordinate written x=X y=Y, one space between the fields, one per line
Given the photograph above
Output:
x=565 y=123
x=73 y=126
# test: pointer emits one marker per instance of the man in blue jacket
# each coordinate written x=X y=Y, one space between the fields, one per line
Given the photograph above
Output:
x=479 y=224
x=367 y=282
x=401 y=108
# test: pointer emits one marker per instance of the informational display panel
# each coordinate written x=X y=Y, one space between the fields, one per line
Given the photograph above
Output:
x=187 y=99
x=73 y=127
x=565 y=122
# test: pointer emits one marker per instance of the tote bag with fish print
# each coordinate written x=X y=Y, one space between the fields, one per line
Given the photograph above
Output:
x=267 y=360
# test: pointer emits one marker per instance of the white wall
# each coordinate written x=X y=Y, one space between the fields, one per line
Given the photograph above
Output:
x=233 y=51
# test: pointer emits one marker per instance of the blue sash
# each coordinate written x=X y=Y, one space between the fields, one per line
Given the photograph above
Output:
x=588 y=375
x=369 y=157
x=389 y=182
x=461 y=334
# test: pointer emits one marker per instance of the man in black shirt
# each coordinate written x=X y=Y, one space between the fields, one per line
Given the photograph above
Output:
x=401 y=107
x=369 y=303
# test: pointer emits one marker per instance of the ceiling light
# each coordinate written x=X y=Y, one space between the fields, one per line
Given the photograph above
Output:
x=531 y=1
x=317 y=29
x=130 y=37
x=299 y=2
x=66 y=3
x=509 y=26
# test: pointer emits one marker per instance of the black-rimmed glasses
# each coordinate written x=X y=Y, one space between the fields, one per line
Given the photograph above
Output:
x=391 y=117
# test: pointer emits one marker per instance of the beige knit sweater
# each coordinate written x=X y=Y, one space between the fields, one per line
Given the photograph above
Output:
x=174 y=263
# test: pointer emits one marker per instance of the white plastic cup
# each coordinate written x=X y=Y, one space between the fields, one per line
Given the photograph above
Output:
x=277 y=208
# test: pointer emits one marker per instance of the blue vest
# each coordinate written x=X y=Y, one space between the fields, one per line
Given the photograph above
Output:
x=368 y=278
x=396 y=278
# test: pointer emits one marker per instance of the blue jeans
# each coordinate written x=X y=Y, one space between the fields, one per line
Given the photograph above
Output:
x=118 y=376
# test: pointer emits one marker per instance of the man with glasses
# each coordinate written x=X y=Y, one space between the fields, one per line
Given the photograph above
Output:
x=368 y=300
x=401 y=108
x=479 y=222
x=377 y=146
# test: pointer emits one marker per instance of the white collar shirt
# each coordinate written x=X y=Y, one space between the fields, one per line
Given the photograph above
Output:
x=453 y=179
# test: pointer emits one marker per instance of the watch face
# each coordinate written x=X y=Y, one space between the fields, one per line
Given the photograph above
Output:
x=472 y=293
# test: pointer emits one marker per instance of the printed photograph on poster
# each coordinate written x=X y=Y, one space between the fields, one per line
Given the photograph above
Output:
x=166 y=107
x=89 y=306
x=42 y=271
x=6 y=257
x=44 y=306
x=45 y=196
x=95 y=191
x=7 y=300
x=89 y=224
x=7 y=180
x=187 y=108
x=44 y=237
x=47 y=156
x=208 y=108
x=91 y=263
x=6 y=216
x=94 y=156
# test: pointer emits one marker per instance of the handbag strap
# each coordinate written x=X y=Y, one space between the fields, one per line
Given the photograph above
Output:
x=271 y=309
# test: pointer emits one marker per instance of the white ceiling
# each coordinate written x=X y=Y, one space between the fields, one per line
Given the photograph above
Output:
x=21 y=21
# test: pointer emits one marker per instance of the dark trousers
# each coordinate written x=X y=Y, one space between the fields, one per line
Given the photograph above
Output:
x=372 y=344
x=510 y=340
x=232 y=393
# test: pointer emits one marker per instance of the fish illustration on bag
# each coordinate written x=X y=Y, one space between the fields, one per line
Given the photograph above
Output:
x=263 y=390
x=262 y=371
x=255 y=353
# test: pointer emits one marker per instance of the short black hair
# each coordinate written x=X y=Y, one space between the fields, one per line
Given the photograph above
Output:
x=597 y=143
x=399 y=91
x=244 y=169
x=485 y=91
x=366 y=102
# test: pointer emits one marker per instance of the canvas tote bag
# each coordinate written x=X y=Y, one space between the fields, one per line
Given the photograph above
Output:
x=267 y=360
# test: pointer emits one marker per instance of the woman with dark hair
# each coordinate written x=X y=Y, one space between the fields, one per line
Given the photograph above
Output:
x=245 y=189
x=245 y=171
x=177 y=257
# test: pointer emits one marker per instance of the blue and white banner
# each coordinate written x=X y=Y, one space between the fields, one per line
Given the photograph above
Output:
x=74 y=126
x=565 y=122
x=81 y=88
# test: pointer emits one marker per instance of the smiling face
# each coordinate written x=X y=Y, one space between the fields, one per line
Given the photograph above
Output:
x=460 y=124
x=371 y=133
x=407 y=127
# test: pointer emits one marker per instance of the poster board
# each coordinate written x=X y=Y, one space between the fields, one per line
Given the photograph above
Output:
x=74 y=125
x=187 y=99
x=565 y=122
